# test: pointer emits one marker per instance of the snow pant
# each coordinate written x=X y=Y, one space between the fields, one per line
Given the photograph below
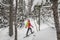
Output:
x=28 y=30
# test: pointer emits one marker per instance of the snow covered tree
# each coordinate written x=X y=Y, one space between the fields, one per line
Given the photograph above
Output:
x=4 y=12
x=37 y=10
x=30 y=3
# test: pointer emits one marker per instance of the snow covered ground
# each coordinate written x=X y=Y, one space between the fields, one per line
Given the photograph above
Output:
x=46 y=32
x=4 y=34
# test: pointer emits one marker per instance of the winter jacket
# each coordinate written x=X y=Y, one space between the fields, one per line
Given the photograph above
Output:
x=28 y=24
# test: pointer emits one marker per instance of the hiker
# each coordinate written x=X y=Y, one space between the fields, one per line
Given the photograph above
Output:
x=29 y=26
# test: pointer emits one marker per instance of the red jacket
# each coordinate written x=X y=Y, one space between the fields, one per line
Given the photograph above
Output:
x=29 y=25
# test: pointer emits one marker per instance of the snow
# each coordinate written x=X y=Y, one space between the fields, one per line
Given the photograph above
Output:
x=4 y=34
x=45 y=33
x=7 y=5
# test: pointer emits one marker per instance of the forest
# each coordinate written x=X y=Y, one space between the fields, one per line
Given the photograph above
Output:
x=13 y=14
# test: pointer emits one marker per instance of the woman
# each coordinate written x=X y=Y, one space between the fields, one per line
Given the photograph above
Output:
x=29 y=26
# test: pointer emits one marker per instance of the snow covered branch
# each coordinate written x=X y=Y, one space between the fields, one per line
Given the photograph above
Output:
x=7 y=5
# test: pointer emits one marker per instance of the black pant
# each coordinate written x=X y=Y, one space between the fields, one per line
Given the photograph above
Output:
x=28 y=30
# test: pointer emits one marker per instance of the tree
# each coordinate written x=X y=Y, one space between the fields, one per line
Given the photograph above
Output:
x=38 y=10
x=11 y=18
x=30 y=3
x=56 y=18
x=15 y=21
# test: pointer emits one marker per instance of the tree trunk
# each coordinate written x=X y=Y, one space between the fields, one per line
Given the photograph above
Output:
x=39 y=18
x=56 y=18
x=11 y=19
x=16 y=21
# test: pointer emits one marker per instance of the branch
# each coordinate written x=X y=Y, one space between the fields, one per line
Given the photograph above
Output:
x=4 y=4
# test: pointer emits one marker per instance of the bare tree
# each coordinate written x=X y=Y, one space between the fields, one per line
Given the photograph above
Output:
x=16 y=21
x=56 y=18
x=11 y=18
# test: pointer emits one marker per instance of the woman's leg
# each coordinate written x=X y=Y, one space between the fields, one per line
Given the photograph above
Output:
x=27 y=32
x=31 y=30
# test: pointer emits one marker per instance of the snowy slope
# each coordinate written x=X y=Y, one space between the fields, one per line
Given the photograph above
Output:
x=45 y=33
